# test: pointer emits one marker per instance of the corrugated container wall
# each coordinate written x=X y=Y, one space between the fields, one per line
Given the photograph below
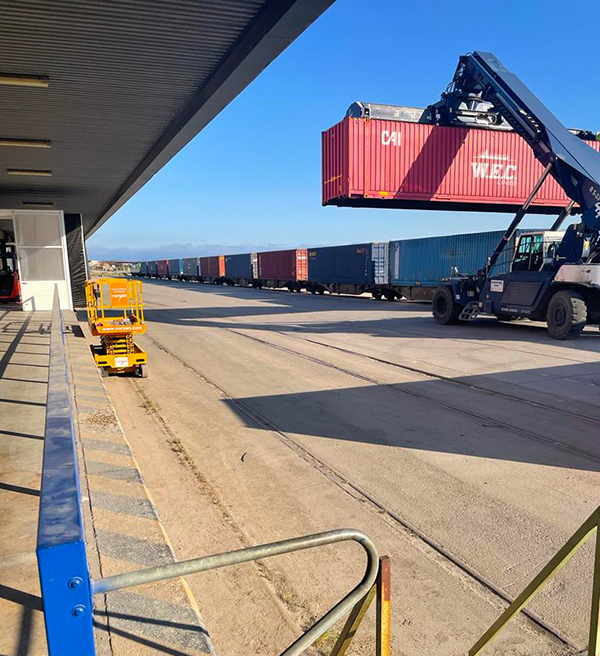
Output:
x=301 y=264
x=144 y=268
x=381 y=163
x=190 y=266
x=210 y=266
x=349 y=264
x=426 y=261
x=162 y=267
x=277 y=265
x=254 y=265
x=221 y=265
x=380 y=256
x=239 y=266
x=175 y=267
x=151 y=268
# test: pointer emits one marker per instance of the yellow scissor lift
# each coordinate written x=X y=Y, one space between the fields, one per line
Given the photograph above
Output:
x=115 y=312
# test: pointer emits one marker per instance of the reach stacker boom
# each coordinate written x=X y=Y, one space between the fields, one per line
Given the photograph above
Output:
x=554 y=276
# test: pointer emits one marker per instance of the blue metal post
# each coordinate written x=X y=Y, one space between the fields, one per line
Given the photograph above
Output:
x=62 y=561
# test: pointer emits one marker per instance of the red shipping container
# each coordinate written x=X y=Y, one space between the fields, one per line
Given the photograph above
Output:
x=209 y=266
x=283 y=265
x=162 y=267
x=378 y=163
x=301 y=264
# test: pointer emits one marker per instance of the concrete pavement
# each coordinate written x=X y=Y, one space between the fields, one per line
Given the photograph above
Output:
x=481 y=438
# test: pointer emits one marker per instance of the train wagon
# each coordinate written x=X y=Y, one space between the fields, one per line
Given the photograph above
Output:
x=348 y=269
x=212 y=269
x=151 y=269
x=287 y=268
x=190 y=269
x=162 y=269
x=175 y=269
x=239 y=270
x=417 y=266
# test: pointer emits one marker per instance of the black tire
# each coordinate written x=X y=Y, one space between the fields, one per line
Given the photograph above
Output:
x=445 y=309
x=390 y=296
x=567 y=315
x=376 y=295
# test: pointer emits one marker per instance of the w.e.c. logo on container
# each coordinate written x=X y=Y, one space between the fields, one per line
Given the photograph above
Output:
x=495 y=167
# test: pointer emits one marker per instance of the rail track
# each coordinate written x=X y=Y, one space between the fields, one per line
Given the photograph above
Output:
x=354 y=489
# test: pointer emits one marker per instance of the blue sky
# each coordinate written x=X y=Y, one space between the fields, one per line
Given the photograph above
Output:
x=251 y=178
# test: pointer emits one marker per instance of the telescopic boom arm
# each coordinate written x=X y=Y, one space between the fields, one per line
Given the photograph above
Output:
x=574 y=165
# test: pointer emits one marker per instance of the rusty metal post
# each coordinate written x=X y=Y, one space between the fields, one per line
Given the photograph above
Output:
x=383 y=627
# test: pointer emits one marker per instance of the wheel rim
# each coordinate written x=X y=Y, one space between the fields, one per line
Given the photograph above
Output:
x=560 y=316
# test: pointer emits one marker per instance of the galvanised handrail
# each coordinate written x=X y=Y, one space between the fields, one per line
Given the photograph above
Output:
x=552 y=567
x=217 y=561
x=62 y=561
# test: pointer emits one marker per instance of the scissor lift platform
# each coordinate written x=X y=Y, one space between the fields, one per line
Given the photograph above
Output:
x=115 y=313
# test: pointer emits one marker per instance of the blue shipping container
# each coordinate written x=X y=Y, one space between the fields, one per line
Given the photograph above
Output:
x=152 y=268
x=349 y=264
x=144 y=268
x=239 y=266
x=427 y=260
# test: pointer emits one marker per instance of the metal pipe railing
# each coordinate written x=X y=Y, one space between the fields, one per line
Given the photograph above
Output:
x=259 y=552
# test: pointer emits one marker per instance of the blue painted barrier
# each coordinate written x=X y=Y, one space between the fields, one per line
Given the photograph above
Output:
x=62 y=561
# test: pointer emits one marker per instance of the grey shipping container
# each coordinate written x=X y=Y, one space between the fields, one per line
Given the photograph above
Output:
x=190 y=267
x=175 y=268
x=380 y=257
x=426 y=261
x=152 y=268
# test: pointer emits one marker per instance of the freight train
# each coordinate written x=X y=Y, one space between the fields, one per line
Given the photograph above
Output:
x=407 y=268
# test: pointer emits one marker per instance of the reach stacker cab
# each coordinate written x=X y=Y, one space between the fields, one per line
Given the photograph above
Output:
x=554 y=277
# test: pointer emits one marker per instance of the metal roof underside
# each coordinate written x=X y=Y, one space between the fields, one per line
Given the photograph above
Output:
x=130 y=83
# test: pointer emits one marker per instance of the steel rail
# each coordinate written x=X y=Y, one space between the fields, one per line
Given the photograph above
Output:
x=259 y=552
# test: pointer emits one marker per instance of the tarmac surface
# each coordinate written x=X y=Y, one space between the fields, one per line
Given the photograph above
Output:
x=469 y=453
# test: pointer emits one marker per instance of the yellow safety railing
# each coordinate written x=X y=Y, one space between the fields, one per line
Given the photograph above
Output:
x=381 y=591
x=554 y=565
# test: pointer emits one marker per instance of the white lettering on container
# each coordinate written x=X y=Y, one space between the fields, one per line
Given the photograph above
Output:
x=390 y=138
x=495 y=167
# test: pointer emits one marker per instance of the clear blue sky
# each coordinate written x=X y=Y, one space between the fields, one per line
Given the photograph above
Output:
x=251 y=178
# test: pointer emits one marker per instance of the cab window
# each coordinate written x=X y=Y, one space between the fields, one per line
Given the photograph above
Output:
x=530 y=253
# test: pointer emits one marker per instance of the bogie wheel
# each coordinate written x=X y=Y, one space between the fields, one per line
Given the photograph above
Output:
x=390 y=297
x=376 y=296
x=567 y=315
x=446 y=310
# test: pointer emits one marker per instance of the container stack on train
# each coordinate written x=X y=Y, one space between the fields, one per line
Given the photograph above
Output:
x=405 y=268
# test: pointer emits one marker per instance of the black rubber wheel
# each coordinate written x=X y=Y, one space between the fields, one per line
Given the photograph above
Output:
x=321 y=291
x=376 y=296
x=104 y=372
x=567 y=315
x=445 y=309
x=390 y=296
